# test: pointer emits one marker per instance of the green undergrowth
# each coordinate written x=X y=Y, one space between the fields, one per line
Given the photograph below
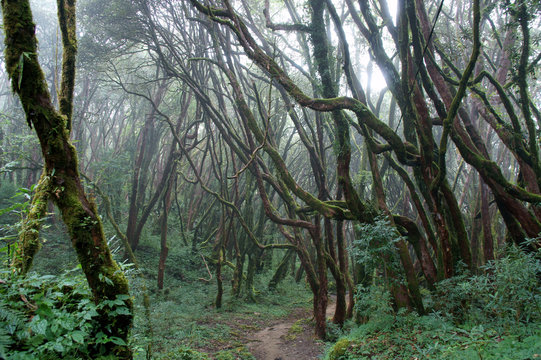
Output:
x=187 y=353
x=296 y=329
x=52 y=317
x=187 y=325
x=495 y=315
x=432 y=337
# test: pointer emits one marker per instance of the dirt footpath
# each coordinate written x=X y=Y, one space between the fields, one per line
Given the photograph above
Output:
x=290 y=339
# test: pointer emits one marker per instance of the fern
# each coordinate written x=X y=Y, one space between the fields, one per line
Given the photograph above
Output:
x=11 y=319
x=11 y=324
x=5 y=342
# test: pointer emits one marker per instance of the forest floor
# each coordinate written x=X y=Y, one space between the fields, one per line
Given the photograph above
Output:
x=264 y=337
x=290 y=339
x=279 y=325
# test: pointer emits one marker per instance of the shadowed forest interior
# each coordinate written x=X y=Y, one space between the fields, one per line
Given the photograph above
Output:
x=270 y=179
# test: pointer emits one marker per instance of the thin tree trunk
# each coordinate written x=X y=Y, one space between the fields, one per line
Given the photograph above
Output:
x=250 y=275
x=219 y=280
x=488 y=240
x=320 y=296
x=28 y=243
x=163 y=236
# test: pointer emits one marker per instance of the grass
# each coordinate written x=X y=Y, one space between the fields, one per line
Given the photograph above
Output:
x=296 y=329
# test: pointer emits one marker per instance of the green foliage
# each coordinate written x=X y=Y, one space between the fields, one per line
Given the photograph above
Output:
x=13 y=322
x=10 y=196
x=52 y=317
x=375 y=246
x=184 y=353
x=184 y=314
x=495 y=315
x=507 y=293
x=339 y=350
x=432 y=336
x=374 y=304
x=14 y=203
x=237 y=353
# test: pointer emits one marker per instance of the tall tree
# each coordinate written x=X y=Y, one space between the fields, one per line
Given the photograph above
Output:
x=63 y=185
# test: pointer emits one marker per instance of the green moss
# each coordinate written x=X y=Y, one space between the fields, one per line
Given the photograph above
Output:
x=339 y=349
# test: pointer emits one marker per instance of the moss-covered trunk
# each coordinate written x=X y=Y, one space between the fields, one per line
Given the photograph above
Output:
x=250 y=275
x=219 y=280
x=105 y=278
x=336 y=266
x=281 y=270
x=28 y=244
x=320 y=296
x=488 y=241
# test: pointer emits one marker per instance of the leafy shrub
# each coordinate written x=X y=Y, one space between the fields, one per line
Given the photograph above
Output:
x=508 y=292
x=373 y=302
x=376 y=242
x=339 y=350
x=52 y=317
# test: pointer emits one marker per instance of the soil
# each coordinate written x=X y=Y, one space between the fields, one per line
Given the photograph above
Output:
x=289 y=339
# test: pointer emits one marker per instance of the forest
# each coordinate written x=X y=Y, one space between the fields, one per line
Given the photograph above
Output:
x=270 y=179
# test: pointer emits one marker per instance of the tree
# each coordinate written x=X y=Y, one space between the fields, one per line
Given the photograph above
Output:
x=422 y=91
x=61 y=180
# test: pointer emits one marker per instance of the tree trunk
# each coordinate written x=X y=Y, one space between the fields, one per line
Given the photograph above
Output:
x=488 y=240
x=219 y=282
x=281 y=271
x=164 y=249
x=320 y=296
x=239 y=267
x=341 y=310
x=84 y=226
x=249 y=284
x=28 y=244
